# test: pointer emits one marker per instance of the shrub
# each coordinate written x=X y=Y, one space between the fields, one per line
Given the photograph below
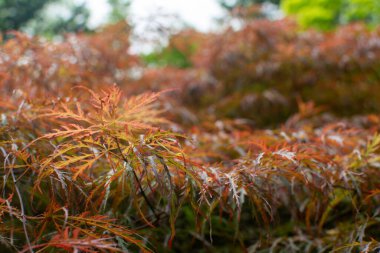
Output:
x=86 y=168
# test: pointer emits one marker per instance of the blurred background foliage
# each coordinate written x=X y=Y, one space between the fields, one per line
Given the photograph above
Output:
x=14 y=14
x=59 y=17
x=119 y=10
x=53 y=17
x=232 y=4
x=323 y=15
x=186 y=50
x=326 y=14
x=320 y=14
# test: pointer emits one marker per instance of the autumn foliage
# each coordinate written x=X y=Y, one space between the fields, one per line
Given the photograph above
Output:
x=266 y=142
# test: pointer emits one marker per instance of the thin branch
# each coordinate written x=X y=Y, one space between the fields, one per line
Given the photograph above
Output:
x=151 y=207
x=21 y=207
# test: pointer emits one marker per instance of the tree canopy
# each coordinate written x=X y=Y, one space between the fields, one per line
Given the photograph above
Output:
x=52 y=17
x=14 y=14
x=320 y=14
x=119 y=10
x=327 y=14
x=60 y=17
x=231 y=4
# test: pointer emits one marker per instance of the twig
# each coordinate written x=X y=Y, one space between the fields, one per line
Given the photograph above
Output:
x=21 y=207
x=138 y=182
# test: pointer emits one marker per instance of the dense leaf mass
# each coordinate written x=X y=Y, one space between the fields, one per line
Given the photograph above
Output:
x=266 y=141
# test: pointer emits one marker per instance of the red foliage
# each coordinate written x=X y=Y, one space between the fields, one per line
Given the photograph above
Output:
x=86 y=168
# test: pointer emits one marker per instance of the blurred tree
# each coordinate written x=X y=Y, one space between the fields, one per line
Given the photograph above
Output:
x=362 y=10
x=14 y=14
x=119 y=10
x=252 y=9
x=232 y=4
x=180 y=50
x=60 y=17
x=326 y=14
x=46 y=17
x=322 y=14
x=167 y=57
